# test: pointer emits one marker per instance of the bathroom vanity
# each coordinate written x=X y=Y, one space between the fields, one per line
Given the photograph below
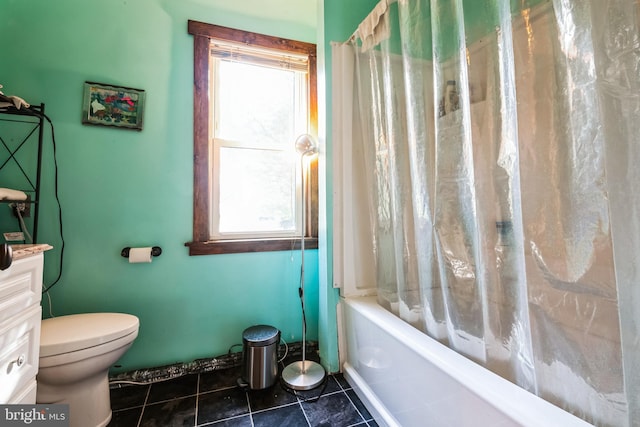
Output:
x=20 y=317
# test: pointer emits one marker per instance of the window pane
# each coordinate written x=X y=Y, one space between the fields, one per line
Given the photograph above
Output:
x=256 y=104
x=257 y=191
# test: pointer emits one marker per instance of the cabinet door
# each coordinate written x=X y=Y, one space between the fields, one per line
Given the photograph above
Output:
x=20 y=351
x=21 y=286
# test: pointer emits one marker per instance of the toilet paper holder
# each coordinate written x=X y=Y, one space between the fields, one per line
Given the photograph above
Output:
x=155 y=251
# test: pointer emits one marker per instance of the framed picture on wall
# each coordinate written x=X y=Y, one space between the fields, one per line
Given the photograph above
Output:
x=108 y=105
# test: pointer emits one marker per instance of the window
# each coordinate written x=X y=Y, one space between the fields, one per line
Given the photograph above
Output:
x=253 y=95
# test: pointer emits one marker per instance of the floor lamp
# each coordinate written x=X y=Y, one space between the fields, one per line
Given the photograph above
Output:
x=304 y=374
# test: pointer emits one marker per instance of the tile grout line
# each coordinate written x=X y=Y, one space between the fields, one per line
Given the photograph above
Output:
x=366 y=421
x=356 y=408
x=210 y=423
x=274 y=407
x=246 y=395
x=220 y=389
x=186 y=396
x=308 y=400
x=303 y=411
x=195 y=420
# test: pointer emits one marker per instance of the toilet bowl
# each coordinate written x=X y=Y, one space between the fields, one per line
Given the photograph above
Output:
x=76 y=352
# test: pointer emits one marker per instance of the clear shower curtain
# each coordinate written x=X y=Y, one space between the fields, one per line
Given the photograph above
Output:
x=496 y=141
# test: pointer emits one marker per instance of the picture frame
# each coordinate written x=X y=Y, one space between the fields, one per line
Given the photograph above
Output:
x=109 y=105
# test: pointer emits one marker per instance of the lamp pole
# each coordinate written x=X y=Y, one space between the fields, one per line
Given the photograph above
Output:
x=303 y=375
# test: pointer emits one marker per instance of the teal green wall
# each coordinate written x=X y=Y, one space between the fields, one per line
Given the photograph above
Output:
x=339 y=21
x=125 y=188
x=480 y=18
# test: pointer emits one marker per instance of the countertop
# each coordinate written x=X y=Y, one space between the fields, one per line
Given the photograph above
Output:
x=25 y=250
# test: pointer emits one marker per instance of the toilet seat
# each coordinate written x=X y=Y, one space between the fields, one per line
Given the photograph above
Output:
x=76 y=332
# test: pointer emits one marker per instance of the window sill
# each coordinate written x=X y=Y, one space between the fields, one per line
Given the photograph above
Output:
x=217 y=247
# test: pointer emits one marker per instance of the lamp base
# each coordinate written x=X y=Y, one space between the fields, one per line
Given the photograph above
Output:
x=294 y=377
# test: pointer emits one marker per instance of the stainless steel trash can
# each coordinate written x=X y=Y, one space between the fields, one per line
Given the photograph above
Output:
x=260 y=356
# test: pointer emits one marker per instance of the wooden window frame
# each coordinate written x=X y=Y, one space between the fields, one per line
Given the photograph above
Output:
x=201 y=244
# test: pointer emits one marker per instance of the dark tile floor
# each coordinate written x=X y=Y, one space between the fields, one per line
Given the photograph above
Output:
x=214 y=399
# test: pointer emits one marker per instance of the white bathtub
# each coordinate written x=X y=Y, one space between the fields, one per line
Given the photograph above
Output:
x=407 y=379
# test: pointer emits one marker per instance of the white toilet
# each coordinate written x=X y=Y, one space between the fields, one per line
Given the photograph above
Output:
x=76 y=352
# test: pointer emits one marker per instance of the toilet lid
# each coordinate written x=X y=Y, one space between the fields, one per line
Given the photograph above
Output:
x=75 y=332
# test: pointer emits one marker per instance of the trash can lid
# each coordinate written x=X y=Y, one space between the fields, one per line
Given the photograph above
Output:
x=260 y=335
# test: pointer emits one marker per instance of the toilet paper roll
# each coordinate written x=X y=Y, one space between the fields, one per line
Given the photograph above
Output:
x=137 y=255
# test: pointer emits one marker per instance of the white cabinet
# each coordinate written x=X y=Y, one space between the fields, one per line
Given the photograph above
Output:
x=20 y=318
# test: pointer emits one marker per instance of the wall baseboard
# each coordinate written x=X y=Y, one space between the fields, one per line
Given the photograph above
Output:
x=225 y=361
